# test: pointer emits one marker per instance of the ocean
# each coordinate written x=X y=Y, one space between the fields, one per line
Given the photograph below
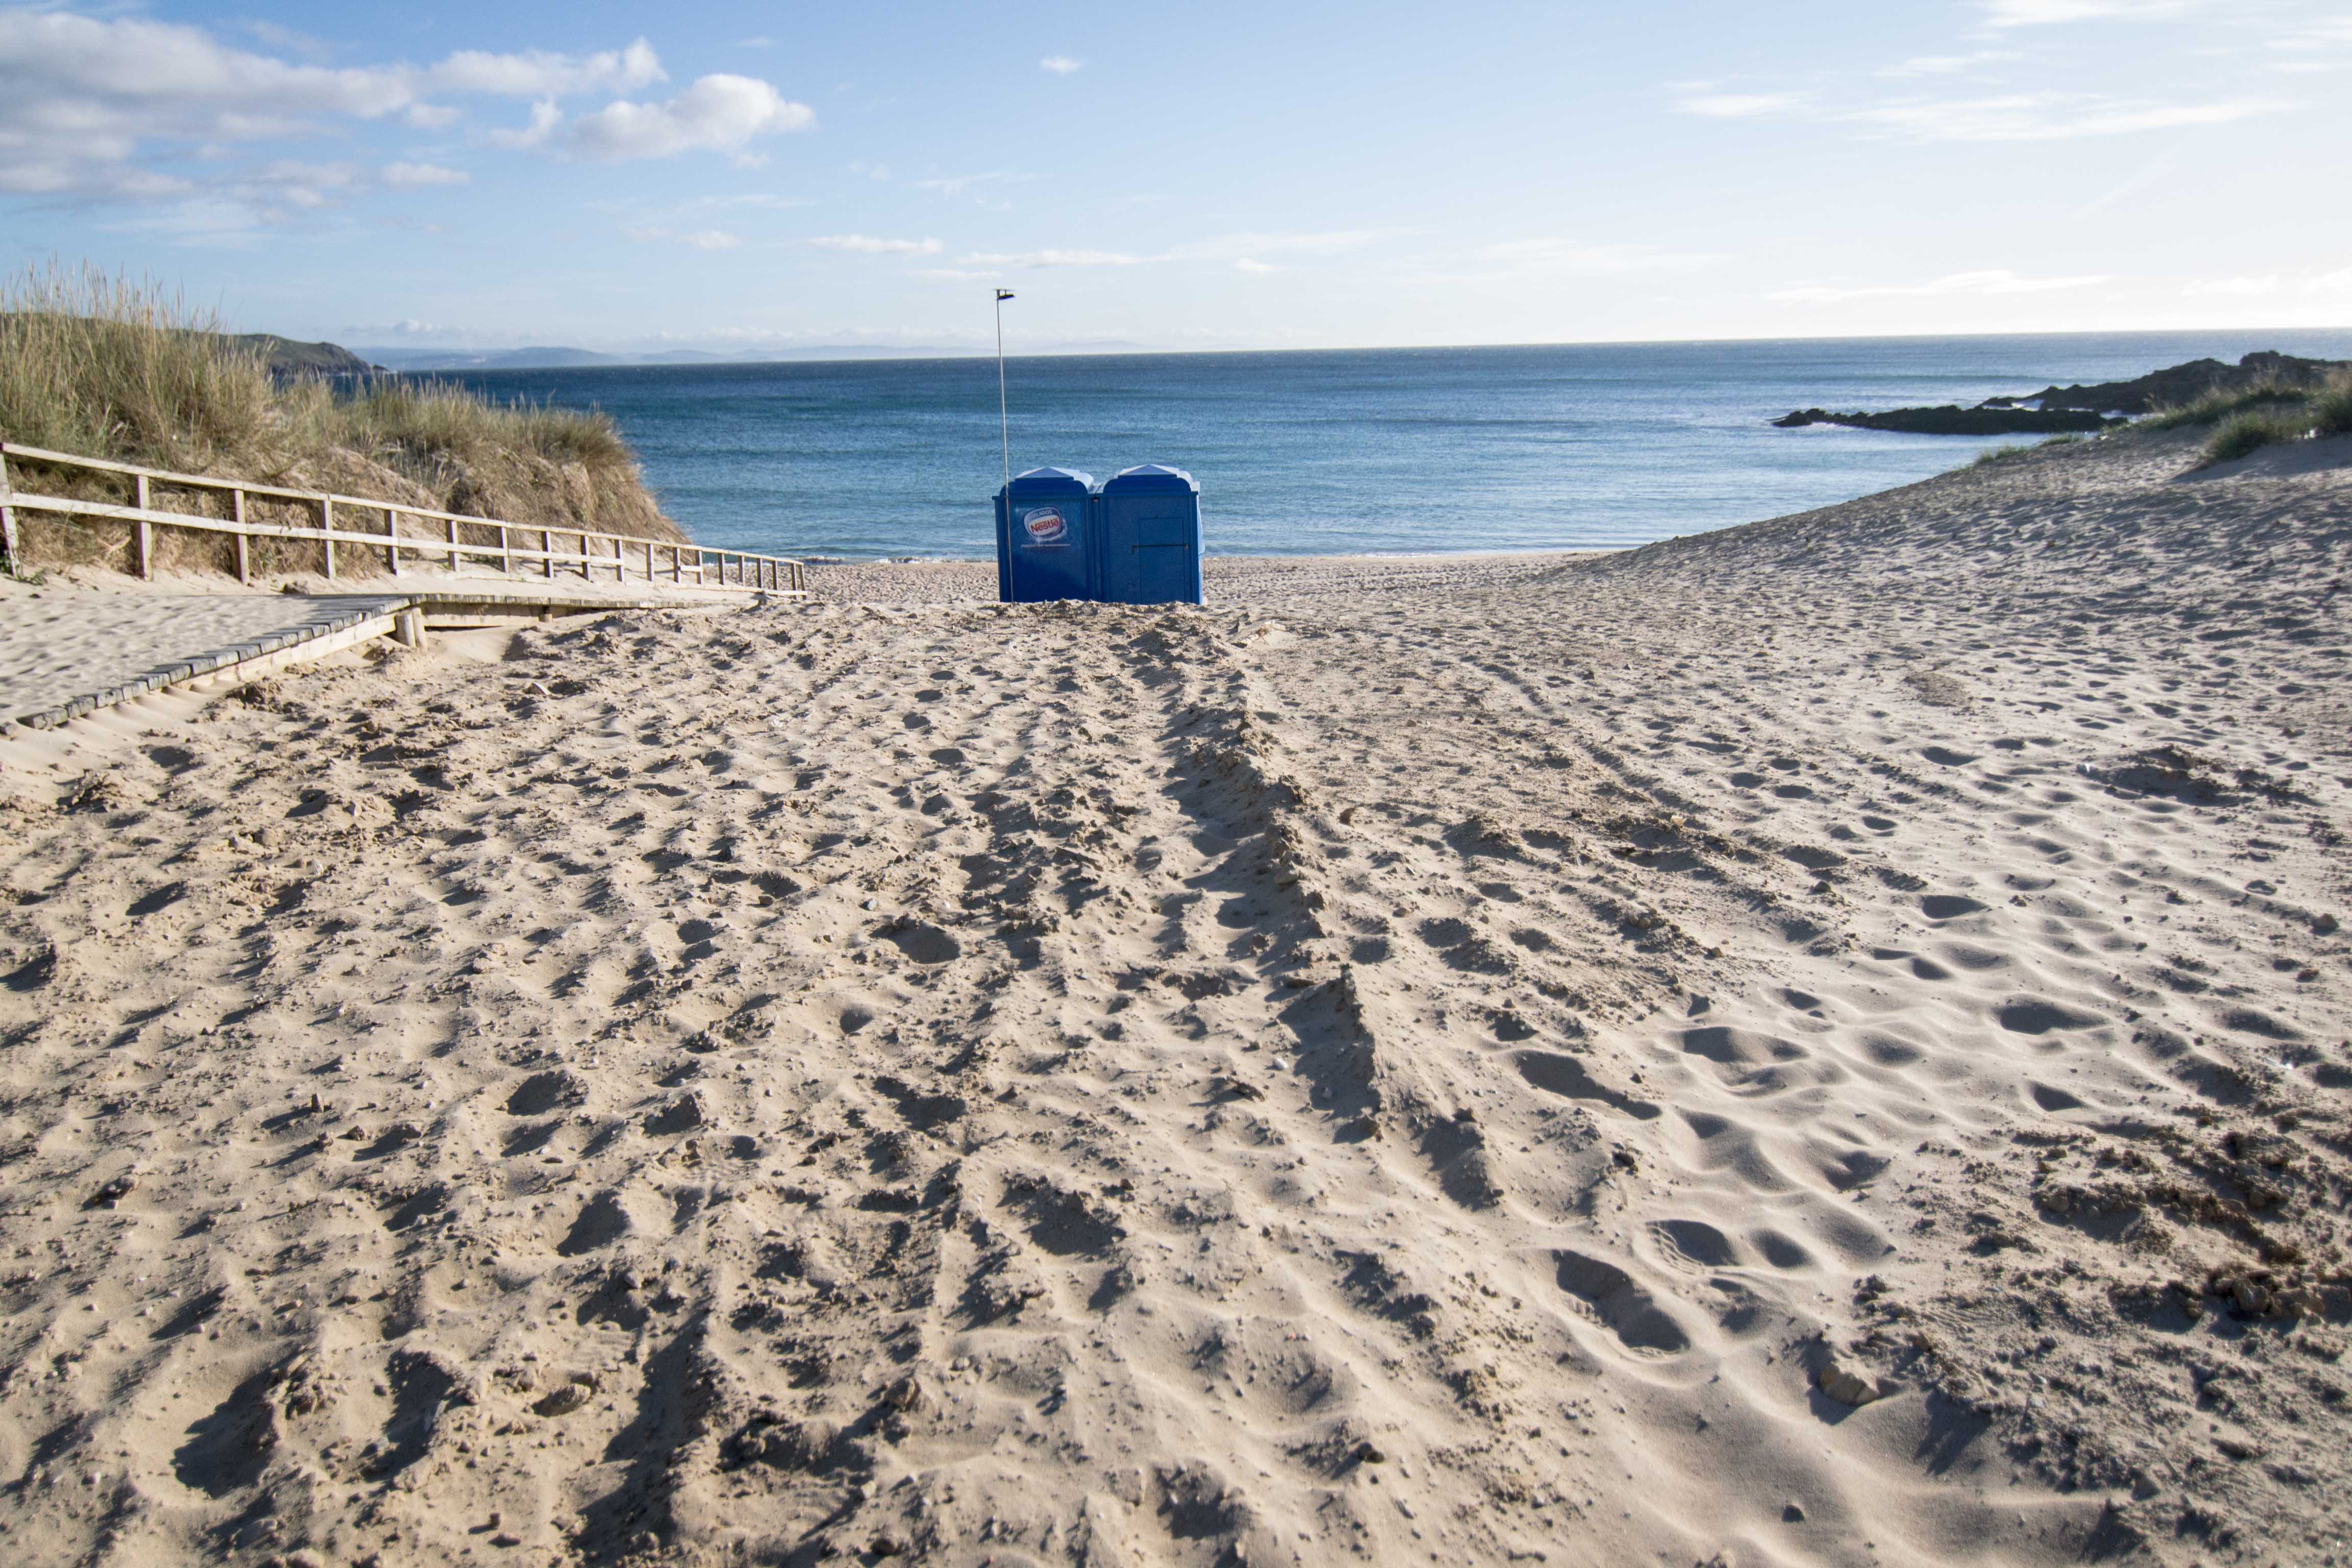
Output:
x=1370 y=451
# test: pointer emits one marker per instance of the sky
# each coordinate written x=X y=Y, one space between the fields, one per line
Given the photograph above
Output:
x=1213 y=174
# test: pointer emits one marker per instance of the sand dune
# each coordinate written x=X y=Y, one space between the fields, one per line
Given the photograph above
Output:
x=1821 y=1043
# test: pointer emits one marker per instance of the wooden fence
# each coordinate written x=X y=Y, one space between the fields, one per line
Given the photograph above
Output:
x=625 y=557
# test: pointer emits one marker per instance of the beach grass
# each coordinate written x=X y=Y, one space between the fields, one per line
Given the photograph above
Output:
x=2015 y=450
x=2216 y=406
x=2249 y=421
x=107 y=366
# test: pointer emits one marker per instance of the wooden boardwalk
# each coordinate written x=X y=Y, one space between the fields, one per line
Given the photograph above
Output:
x=64 y=653
x=67 y=649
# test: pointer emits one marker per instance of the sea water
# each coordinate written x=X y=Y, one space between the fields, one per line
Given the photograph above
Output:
x=1344 y=452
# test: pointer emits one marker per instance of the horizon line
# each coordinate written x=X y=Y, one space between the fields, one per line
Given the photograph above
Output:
x=882 y=352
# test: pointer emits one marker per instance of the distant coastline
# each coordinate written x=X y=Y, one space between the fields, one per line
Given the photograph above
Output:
x=2080 y=409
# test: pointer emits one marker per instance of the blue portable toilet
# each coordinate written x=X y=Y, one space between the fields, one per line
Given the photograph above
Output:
x=1044 y=537
x=1148 y=540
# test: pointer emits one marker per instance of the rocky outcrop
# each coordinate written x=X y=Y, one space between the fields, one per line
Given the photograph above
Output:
x=1953 y=420
x=2187 y=382
x=2056 y=410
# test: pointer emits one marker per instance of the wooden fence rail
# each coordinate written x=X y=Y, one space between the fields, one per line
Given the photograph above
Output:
x=624 y=556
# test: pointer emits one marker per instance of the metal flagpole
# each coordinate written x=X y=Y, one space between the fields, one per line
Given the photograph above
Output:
x=1004 y=421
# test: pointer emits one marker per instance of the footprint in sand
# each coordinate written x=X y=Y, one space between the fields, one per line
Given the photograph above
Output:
x=1779 y=1251
x=1632 y=1313
x=2037 y=1016
x=1949 y=906
x=925 y=943
x=2054 y=1100
x=1945 y=757
x=1446 y=932
x=1695 y=1241
x=1890 y=1052
x=1739 y=1048
x=1565 y=1076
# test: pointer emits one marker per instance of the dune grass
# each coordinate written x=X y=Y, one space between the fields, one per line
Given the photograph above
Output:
x=104 y=366
x=2215 y=406
x=2248 y=422
x=2015 y=450
x=2260 y=417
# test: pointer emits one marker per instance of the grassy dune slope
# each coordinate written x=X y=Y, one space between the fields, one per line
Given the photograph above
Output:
x=101 y=366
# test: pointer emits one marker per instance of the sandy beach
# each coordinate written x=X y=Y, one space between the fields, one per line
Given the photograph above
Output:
x=1825 y=1042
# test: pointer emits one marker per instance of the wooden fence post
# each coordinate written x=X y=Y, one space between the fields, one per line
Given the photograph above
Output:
x=146 y=529
x=454 y=557
x=327 y=526
x=391 y=532
x=244 y=545
x=8 y=518
x=546 y=552
x=505 y=550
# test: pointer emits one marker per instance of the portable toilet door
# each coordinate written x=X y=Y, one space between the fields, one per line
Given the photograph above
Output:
x=1045 y=537
x=1150 y=542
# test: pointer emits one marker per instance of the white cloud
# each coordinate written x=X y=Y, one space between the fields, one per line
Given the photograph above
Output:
x=1994 y=282
x=1244 y=264
x=2010 y=117
x=2329 y=282
x=1055 y=258
x=544 y=118
x=2047 y=117
x=85 y=101
x=2321 y=47
x=535 y=73
x=1945 y=65
x=78 y=97
x=2239 y=287
x=287 y=38
x=867 y=245
x=963 y=184
x=719 y=113
x=1310 y=242
x=1060 y=65
x=407 y=177
x=1739 y=105
x=1553 y=253
x=2044 y=12
x=291 y=184
x=700 y=239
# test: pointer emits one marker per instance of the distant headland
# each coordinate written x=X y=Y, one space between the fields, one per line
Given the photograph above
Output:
x=2061 y=410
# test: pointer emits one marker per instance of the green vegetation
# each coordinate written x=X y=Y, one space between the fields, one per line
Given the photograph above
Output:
x=105 y=367
x=2012 y=452
x=2218 y=405
x=2257 y=416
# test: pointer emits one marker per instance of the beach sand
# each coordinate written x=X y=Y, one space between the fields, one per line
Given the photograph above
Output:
x=1826 y=1042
